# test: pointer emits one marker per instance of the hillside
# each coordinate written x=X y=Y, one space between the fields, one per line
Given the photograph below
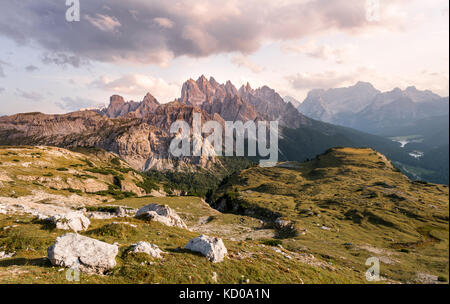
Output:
x=95 y=174
x=347 y=205
x=336 y=211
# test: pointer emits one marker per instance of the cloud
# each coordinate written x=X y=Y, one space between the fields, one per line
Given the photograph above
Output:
x=244 y=61
x=2 y=90
x=324 y=51
x=75 y=104
x=64 y=60
x=2 y=71
x=164 y=22
x=31 y=68
x=156 y=31
x=323 y=80
x=138 y=85
x=34 y=96
x=103 y=22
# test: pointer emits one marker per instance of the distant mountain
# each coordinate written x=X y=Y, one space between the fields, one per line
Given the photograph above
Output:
x=292 y=100
x=325 y=105
x=364 y=108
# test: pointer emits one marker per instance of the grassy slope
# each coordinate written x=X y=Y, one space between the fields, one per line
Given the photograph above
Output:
x=64 y=172
x=311 y=194
x=247 y=259
x=364 y=201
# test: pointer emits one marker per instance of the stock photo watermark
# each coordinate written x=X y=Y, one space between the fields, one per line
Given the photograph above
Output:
x=373 y=273
x=73 y=12
x=73 y=273
x=235 y=133
x=373 y=10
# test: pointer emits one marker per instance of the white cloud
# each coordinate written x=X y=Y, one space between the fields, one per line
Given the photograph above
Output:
x=164 y=22
x=244 y=61
x=325 y=52
x=138 y=85
x=321 y=80
x=34 y=96
x=76 y=103
x=104 y=22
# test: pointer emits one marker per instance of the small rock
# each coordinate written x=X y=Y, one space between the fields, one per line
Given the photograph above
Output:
x=121 y=212
x=211 y=247
x=88 y=255
x=4 y=255
x=282 y=224
x=163 y=214
x=124 y=223
x=214 y=277
x=147 y=248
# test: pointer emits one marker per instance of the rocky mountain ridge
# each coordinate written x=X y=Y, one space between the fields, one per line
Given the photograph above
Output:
x=367 y=109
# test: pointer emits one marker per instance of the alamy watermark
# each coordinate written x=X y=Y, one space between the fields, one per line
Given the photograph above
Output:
x=373 y=10
x=373 y=273
x=73 y=12
x=191 y=142
x=73 y=273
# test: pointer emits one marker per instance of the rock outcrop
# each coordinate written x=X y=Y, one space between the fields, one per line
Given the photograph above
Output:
x=83 y=253
x=150 y=249
x=161 y=213
x=211 y=247
x=75 y=221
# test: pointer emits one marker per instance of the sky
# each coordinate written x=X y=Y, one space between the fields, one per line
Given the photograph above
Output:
x=51 y=65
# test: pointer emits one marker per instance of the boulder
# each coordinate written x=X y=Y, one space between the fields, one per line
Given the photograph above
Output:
x=283 y=224
x=83 y=253
x=211 y=247
x=121 y=212
x=75 y=221
x=147 y=248
x=162 y=214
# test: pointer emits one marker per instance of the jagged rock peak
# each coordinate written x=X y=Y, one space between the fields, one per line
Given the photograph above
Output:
x=116 y=99
x=150 y=99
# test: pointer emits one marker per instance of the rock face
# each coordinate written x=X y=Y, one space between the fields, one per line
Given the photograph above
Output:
x=244 y=104
x=211 y=247
x=147 y=248
x=86 y=254
x=161 y=213
x=75 y=221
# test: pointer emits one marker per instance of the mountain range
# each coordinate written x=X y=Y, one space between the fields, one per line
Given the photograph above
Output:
x=365 y=108
x=139 y=132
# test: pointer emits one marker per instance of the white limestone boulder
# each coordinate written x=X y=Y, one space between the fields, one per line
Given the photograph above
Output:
x=161 y=213
x=150 y=249
x=211 y=247
x=83 y=253
x=75 y=221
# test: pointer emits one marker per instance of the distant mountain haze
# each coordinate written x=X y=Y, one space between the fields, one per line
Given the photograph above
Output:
x=367 y=109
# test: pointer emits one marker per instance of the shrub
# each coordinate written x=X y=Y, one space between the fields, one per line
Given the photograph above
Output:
x=116 y=161
x=62 y=169
x=272 y=242
x=442 y=279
